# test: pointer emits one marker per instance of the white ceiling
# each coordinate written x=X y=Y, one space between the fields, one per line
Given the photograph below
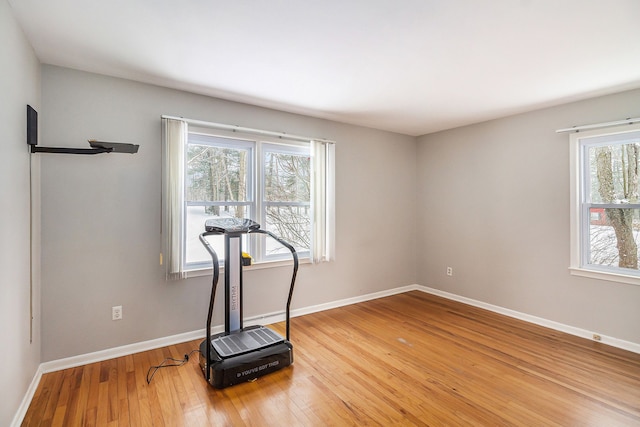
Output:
x=408 y=66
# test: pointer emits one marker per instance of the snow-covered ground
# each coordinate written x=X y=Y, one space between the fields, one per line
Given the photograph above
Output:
x=603 y=245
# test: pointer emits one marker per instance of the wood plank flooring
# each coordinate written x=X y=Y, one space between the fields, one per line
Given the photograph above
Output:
x=408 y=359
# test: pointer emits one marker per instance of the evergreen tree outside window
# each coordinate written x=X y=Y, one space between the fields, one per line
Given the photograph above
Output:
x=218 y=183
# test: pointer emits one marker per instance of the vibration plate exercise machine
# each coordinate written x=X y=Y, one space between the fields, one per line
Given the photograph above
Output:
x=240 y=354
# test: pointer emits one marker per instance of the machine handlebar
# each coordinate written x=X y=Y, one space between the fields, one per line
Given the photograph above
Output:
x=216 y=275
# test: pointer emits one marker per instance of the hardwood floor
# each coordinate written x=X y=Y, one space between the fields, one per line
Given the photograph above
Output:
x=408 y=359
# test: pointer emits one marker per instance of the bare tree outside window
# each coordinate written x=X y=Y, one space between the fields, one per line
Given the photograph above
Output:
x=287 y=194
x=614 y=181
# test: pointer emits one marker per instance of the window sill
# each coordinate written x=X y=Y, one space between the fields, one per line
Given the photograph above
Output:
x=256 y=266
x=605 y=275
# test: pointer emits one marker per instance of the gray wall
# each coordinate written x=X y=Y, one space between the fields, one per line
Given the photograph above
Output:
x=493 y=204
x=101 y=215
x=19 y=86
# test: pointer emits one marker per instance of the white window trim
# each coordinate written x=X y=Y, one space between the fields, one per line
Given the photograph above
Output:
x=576 y=170
x=238 y=143
x=263 y=147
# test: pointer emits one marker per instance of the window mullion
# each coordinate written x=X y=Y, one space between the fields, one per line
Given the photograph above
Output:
x=585 y=229
x=258 y=245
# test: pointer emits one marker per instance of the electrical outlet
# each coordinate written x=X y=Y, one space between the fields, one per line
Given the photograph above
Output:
x=116 y=312
x=449 y=271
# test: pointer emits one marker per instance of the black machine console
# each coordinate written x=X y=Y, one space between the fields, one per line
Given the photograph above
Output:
x=240 y=354
x=230 y=225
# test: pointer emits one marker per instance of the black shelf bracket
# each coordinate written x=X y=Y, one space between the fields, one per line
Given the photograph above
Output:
x=97 y=147
x=65 y=150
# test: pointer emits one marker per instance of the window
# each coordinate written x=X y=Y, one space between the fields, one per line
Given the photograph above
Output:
x=219 y=182
x=285 y=206
x=286 y=185
x=606 y=203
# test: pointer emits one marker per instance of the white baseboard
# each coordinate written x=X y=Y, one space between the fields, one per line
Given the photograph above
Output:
x=268 y=318
x=26 y=400
x=583 y=333
x=125 y=350
x=353 y=300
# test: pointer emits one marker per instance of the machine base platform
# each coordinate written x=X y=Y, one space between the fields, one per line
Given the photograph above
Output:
x=231 y=370
x=245 y=340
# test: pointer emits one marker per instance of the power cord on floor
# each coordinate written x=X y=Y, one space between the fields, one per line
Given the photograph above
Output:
x=177 y=362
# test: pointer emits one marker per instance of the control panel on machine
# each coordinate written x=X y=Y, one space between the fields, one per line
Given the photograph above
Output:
x=230 y=225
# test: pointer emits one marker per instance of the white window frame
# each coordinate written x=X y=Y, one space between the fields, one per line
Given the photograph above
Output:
x=250 y=203
x=264 y=147
x=322 y=152
x=580 y=205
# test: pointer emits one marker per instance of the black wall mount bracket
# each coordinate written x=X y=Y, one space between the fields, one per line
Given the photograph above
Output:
x=97 y=147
